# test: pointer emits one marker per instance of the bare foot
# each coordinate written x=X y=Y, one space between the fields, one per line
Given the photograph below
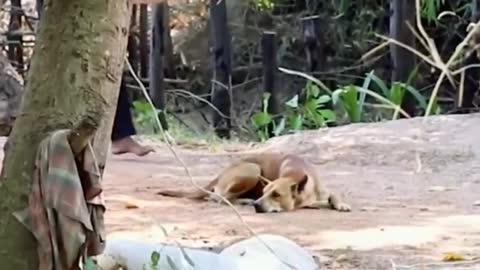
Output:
x=129 y=145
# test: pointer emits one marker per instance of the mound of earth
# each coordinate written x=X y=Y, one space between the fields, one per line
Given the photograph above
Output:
x=414 y=187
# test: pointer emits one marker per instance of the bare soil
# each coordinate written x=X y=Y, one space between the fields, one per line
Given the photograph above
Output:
x=414 y=188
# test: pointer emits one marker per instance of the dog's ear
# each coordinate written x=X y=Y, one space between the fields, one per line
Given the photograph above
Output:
x=300 y=186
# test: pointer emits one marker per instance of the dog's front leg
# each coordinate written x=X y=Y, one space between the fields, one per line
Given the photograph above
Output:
x=317 y=205
x=336 y=203
x=242 y=201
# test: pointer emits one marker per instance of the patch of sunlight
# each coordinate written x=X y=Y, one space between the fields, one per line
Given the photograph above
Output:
x=378 y=237
x=434 y=230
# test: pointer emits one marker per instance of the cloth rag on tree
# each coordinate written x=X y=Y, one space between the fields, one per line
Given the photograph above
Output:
x=65 y=207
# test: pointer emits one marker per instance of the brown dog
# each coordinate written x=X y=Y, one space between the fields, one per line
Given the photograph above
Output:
x=273 y=182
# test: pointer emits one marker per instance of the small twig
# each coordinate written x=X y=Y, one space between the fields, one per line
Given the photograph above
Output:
x=462 y=89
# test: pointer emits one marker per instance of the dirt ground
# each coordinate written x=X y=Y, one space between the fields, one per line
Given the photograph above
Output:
x=414 y=188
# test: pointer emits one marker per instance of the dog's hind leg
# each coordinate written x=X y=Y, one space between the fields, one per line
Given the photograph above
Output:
x=238 y=180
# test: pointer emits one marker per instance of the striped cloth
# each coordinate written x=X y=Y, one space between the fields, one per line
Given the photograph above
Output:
x=65 y=209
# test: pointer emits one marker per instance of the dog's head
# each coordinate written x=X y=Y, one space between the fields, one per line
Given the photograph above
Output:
x=280 y=195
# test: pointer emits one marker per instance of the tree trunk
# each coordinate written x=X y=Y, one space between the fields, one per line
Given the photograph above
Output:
x=75 y=74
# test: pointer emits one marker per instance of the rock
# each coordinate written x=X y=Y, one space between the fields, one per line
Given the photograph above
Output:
x=134 y=255
x=248 y=254
x=252 y=254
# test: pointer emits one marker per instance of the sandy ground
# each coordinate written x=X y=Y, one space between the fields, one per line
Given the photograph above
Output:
x=414 y=189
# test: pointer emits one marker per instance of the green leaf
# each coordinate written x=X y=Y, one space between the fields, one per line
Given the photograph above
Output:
x=397 y=93
x=380 y=83
x=349 y=98
x=328 y=115
x=296 y=122
x=293 y=102
x=435 y=108
x=155 y=258
x=312 y=105
x=422 y=101
x=261 y=119
x=363 y=95
x=324 y=99
x=312 y=90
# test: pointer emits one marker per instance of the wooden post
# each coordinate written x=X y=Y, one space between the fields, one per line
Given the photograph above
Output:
x=269 y=60
x=314 y=43
x=221 y=96
x=464 y=102
x=144 y=44
x=269 y=56
x=133 y=44
x=169 y=61
x=315 y=50
x=15 y=49
x=156 y=62
x=403 y=61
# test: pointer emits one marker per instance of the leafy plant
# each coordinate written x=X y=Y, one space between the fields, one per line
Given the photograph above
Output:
x=264 y=5
x=309 y=114
x=154 y=261
x=431 y=8
x=144 y=115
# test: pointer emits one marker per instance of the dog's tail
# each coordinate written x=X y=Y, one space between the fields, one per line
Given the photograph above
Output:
x=194 y=195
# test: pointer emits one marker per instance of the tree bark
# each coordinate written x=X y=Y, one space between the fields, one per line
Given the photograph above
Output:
x=75 y=74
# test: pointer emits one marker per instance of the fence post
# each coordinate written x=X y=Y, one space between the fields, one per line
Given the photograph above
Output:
x=464 y=100
x=144 y=48
x=403 y=61
x=132 y=46
x=14 y=36
x=269 y=56
x=156 y=63
x=168 y=58
x=221 y=96
x=314 y=43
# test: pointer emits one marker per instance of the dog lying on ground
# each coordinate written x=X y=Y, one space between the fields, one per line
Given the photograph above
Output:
x=272 y=182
